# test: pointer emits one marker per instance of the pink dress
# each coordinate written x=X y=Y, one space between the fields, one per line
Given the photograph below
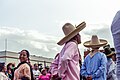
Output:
x=44 y=77
x=67 y=63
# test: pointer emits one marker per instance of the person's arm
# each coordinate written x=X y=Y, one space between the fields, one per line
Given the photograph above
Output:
x=54 y=66
x=112 y=71
x=70 y=50
x=102 y=68
x=112 y=75
x=26 y=72
x=83 y=71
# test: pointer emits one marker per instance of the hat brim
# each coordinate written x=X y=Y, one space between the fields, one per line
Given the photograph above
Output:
x=72 y=34
x=102 y=43
x=112 y=53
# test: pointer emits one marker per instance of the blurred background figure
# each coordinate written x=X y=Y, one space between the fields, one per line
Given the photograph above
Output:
x=2 y=72
x=36 y=71
x=111 y=66
x=44 y=75
x=114 y=55
x=10 y=70
x=48 y=71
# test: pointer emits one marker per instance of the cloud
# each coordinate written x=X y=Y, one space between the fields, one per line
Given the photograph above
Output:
x=43 y=44
x=102 y=30
x=36 y=42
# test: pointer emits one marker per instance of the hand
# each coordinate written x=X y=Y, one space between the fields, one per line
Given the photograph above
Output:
x=89 y=78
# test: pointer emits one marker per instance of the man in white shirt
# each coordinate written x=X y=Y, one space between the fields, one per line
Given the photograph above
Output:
x=36 y=71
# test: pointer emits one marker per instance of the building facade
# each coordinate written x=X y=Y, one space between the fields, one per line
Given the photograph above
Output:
x=13 y=57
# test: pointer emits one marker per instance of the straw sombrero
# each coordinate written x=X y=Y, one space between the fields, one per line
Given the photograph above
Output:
x=70 y=31
x=95 y=42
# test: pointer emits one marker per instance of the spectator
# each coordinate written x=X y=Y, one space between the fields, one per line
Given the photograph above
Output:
x=114 y=55
x=94 y=65
x=111 y=67
x=36 y=71
x=48 y=71
x=23 y=71
x=2 y=72
x=10 y=70
x=44 y=75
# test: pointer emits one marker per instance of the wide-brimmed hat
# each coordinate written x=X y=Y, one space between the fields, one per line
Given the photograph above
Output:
x=95 y=42
x=70 y=31
x=108 y=51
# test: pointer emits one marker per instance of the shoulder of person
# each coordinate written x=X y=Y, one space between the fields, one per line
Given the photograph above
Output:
x=71 y=43
x=25 y=65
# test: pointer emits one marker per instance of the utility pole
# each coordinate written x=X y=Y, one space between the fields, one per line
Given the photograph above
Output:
x=5 y=44
x=5 y=48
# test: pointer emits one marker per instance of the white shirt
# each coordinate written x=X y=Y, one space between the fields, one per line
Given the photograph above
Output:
x=3 y=76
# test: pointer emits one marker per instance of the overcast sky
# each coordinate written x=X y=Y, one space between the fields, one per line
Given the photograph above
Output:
x=36 y=25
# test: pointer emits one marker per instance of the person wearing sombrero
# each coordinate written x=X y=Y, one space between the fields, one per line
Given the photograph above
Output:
x=68 y=61
x=94 y=65
x=111 y=67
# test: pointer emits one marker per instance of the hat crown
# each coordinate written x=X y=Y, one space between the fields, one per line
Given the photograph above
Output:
x=68 y=28
x=94 y=40
x=107 y=51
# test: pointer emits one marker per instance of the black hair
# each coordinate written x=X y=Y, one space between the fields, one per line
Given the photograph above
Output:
x=35 y=64
x=8 y=66
x=2 y=66
x=27 y=52
x=75 y=38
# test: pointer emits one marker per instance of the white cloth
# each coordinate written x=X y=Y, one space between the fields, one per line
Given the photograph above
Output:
x=3 y=76
x=111 y=70
x=36 y=73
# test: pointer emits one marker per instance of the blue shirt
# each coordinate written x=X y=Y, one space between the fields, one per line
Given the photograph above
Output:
x=95 y=66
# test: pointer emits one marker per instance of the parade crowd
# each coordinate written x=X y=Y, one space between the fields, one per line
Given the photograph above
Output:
x=68 y=64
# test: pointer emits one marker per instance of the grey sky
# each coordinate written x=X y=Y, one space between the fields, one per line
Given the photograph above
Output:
x=36 y=24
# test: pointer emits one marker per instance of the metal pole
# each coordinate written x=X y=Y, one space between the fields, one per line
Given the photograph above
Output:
x=5 y=48
x=6 y=44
